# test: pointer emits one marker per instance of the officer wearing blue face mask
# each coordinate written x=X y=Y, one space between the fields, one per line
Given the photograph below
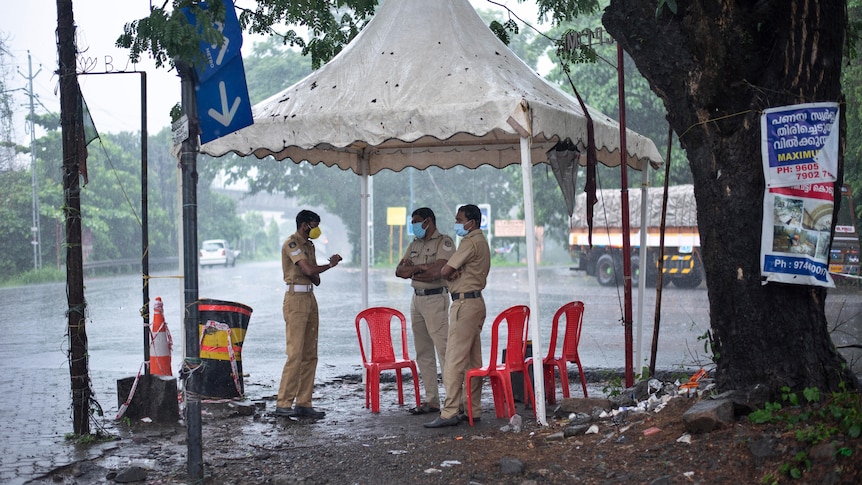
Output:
x=429 y=307
x=467 y=274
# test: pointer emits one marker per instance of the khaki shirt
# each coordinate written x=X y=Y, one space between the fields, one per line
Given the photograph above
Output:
x=296 y=248
x=422 y=251
x=473 y=260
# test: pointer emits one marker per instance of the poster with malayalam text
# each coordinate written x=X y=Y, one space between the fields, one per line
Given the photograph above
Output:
x=796 y=234
x=799 y=144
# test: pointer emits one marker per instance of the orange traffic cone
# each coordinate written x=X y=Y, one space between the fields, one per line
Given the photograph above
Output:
x=160 y=342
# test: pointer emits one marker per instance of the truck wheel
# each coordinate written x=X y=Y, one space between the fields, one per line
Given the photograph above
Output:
x=636 y=271
x=606 y=270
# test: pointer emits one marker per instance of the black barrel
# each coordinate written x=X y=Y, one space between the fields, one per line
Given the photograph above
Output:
x=217 y=317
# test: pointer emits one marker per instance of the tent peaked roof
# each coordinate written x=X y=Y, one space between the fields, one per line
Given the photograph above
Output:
x=425 y=83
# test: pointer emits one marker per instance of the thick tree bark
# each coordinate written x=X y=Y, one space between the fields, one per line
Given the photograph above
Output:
x=717 y=64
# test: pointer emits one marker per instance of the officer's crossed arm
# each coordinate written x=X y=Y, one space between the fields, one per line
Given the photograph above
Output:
x=449 y=272
x=406 y=268
x=431 y=271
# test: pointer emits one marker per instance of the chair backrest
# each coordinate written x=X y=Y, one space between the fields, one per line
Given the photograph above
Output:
x=379 y=322
x=517 y=319
x=574 y=312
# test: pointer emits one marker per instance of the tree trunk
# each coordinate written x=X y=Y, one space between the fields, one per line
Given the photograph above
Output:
x=71 y=120
x=717 y=64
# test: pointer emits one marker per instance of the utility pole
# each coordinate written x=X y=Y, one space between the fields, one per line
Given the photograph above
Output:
x=71 y=122
x=36 y=229
x=192 y=364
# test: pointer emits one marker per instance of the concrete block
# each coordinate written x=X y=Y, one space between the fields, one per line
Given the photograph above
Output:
x=154 y=398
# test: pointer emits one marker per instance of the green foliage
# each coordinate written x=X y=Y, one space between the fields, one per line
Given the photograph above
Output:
x=594 y=74
x=89 y=439
x=812 y=422
x=166 y=34
x=614 y=385
x=217 y=217
x=273 y=67
x=851 y=83
x=502 y=30
x=44 y=274
x=15 y=222
x=709 y=347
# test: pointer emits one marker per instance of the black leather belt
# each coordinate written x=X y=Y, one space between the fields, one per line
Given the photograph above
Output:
x=469 y=294
x=428 y=291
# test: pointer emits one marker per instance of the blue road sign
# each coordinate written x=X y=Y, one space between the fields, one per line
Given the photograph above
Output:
x=221 y=89
x=485 y=210
x=223 y=103
x=217 y=55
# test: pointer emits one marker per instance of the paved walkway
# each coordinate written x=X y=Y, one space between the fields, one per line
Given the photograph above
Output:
x=35 y=408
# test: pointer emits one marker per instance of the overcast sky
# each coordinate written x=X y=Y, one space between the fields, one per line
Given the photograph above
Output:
x=114 y=100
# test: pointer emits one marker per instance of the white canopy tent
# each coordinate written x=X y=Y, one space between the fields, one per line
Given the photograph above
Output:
x=426 y=83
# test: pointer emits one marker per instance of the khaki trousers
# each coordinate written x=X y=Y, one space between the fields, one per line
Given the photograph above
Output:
x=430 y=323
x=463 y=352
x=301 y=320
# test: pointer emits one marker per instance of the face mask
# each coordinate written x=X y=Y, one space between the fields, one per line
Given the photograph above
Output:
x=460 y=231
x=418 y=230
x=314 y=233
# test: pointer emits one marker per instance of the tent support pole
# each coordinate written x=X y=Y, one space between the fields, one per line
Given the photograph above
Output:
x=538 y=380
x=364 y=230
x=642 y=266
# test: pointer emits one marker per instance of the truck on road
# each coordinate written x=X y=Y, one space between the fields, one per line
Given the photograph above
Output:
x=683 y=265
x=682 y=258
x=844 y=253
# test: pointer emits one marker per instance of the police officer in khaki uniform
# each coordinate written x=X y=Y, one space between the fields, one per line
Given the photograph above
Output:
x=467 y=273
x=301 y=318
x=422 y=263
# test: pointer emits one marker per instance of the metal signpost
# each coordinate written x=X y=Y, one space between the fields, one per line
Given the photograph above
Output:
x=218 y=95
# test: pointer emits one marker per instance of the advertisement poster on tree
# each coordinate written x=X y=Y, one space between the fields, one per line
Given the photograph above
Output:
x=800 y=144
x=796 y=234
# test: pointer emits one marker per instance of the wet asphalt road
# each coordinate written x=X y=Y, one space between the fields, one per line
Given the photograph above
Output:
x=35 y=398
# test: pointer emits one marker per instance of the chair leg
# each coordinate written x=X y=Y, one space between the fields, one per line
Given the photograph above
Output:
x=564 y=379
x=367 y=389
x=550 y=383
x=416 y=384
x=374 y=382
x=499 y=393
x=529 y=394
x=583 y=377
x=469 y=380
x=399 y=379
x=508 y=394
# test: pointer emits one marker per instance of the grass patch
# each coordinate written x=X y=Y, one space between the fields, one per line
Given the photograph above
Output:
x=34 y=277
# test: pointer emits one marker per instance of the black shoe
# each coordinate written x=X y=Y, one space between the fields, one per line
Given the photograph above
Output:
x=285 y=412
x=439 y=422
x=466 y=418
x=305 y=412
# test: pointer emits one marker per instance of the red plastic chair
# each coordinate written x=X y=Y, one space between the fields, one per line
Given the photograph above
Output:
x=574 y=313
x=379 y=322
x=517 y=319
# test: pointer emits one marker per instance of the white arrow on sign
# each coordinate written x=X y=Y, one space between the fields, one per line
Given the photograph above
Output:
x=226 y=115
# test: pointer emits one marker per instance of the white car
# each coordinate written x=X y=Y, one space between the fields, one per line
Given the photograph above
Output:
x=216 y=251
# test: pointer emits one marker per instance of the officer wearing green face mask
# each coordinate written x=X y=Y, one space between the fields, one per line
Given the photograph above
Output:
x=429 y=307
x=299 y=308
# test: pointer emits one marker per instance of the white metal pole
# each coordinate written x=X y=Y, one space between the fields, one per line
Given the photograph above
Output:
x=643 y=263
x=364 y=198
x=538 y=381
